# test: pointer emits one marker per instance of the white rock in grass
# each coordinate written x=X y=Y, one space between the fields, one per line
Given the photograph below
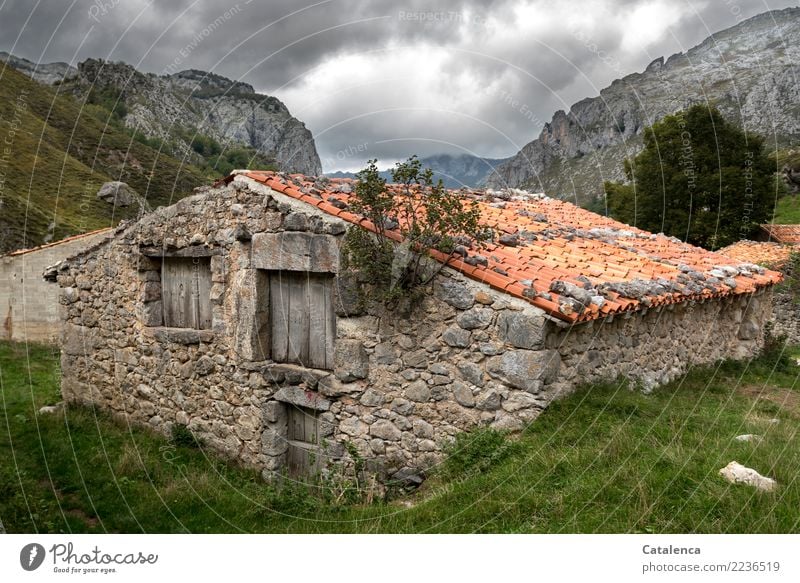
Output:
x=748 y=437
x=50 y=409
x=736 y=473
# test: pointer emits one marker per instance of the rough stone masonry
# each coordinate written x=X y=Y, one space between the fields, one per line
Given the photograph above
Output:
x=399 y=385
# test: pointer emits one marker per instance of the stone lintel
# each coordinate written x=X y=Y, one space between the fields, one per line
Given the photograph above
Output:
x=193 y=251
x=302 y=398
x=296 y=251
x=180 y=335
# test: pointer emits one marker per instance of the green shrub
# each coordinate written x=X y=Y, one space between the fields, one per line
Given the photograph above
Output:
x=476 y=451
x=182 y=436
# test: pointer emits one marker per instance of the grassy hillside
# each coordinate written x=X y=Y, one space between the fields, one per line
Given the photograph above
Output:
x=605 y=459
x=787 y=209
x=55 y=154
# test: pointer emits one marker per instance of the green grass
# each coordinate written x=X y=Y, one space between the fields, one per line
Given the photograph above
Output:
x=605 y=459
x=787 y=210
x=60 y=153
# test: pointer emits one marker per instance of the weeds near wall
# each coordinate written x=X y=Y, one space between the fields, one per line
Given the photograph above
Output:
x=182 y=436
x=476 y=451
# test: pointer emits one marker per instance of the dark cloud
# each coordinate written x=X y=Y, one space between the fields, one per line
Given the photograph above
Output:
x=386 y=78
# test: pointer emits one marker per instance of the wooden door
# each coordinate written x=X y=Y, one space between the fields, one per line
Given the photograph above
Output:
x=185 y=292
x=303 y=322
x=303 y=458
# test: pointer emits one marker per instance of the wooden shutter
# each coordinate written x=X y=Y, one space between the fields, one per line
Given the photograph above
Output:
x=303 y=457
x=185 y=292
x=303 y=320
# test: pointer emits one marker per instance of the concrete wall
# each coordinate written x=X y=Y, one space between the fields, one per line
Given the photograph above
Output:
x=404 y=382
x=28 y=303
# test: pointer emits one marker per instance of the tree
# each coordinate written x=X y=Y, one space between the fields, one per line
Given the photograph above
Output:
x=410 y=220
x=698 y=178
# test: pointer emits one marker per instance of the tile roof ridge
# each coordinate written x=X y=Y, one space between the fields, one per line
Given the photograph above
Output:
x=18 y=252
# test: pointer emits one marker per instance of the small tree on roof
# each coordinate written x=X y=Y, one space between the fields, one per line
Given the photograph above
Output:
x=409 y=221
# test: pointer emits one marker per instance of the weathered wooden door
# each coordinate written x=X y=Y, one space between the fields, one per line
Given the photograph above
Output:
x=186 y=292
x=303 y=320
x=303 y=456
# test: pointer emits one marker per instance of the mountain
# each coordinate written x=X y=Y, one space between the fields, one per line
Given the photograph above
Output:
x=748 y=71
x=188 y=111
x=47 y=73
x=56 y=154
x=173 y=106
x=455 y=171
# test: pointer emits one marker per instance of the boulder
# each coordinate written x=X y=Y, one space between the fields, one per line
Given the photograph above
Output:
x=118 y=194
x=463 y=395
x=456 y=337
x=736 y=473
x=302 y=398
x=350 y=360
x=385 y=430
x=748 y=437
x=475 y=318
x=330 y=386
x=527 y=370
x=455 y=294
x=522 y=330
x=418 y=391
x=471 y=373
x=51 y=409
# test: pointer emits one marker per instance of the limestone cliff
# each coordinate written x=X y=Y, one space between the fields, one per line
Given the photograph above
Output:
x=749 y=71
x=176 y=107
x=47 y=73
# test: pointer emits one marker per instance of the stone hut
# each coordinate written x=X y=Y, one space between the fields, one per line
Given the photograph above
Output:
x=29 y=303
x=230 y=313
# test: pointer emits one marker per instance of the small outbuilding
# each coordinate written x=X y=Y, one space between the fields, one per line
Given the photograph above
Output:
x=28 y=302
x=231 y=313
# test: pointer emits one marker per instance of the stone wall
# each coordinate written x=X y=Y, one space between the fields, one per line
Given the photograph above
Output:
x=28 y=303
x=655 y=346
x=785 y=317
x=404 y=383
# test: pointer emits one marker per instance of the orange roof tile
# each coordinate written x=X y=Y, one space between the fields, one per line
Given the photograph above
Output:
x=565 y=254
x=783 y=233
x=54 y=243
x=772 y=255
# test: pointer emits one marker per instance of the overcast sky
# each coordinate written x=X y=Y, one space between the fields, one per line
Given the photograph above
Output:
x=386 y=78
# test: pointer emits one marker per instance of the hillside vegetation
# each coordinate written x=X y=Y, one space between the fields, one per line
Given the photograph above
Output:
x=54 y=156
x=605 y=459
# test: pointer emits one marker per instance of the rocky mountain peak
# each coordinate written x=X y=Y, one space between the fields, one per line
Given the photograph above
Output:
x=191 y=102
x=210 y=84
x=749 y=71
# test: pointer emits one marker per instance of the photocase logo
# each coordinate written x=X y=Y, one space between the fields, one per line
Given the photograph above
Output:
x=31 y=556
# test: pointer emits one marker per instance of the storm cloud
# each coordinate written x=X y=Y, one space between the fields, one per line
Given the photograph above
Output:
x=385 y=79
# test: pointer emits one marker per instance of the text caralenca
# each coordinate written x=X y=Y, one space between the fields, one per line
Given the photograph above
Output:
x=670 y=550
x=66 y=554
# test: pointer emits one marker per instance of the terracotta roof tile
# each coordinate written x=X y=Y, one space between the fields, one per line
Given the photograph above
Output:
x=626 y=268
x=783 y=233
x=772 y=255
x=54 y=243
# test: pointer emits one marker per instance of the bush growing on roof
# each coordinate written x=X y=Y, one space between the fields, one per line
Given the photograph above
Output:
x=423 y=213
